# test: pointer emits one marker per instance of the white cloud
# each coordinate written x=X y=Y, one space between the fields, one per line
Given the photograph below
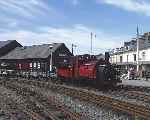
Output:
x=12 y=7
x=138 y=6
x=28 y=10
x=78 y=34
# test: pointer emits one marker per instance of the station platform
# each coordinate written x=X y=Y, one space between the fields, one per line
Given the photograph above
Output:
x=141 y=82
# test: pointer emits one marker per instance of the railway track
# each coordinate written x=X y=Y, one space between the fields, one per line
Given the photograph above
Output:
x=93 y=97
x=45 y=102
x=141 y=95
x=85 y=95
x=11 y=103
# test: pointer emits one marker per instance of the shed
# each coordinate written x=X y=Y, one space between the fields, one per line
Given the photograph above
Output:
x=37 y=58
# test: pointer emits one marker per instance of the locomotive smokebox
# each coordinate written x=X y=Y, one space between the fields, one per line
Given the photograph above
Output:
x=107 y=56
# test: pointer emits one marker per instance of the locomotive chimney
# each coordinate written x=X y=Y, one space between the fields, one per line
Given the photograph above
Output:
x=107 y=56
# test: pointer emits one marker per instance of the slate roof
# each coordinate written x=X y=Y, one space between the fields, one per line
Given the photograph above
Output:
x=30 y=52
x=4 y=43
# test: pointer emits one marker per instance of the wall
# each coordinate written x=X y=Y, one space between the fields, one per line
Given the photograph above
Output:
x=144 y=58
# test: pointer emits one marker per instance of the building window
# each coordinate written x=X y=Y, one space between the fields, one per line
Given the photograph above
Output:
x=143 y=55
x=20 y=66
x=34 y=64
x=30 y=64
x=39 y=65
x=127 y=57
x=120 y=58
x=149 y=38
x=134 y=56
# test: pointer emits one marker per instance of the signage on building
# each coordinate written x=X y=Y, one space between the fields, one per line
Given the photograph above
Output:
x=62 y=55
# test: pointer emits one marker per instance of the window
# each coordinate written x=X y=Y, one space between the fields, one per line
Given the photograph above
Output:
x=65 y=61
x=34 y=64
x=149 y=38
x=39 y=65
x=127 y=57
x=120 y=58
x=30 y=65
x=134 y=55
x=143 y=55
x=20 y=66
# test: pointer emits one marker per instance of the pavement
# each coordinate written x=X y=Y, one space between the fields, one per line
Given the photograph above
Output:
x=140 y=82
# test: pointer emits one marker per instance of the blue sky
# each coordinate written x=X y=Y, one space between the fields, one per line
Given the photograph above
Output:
x=71 y=21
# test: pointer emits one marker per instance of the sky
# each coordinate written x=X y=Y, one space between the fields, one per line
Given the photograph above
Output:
x=32 y=22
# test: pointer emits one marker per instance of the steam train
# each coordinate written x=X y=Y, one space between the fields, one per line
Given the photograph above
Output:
x=89 y=68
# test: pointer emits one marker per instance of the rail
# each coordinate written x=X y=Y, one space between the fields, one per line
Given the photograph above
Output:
x=85 y=95
x=69 y=114
x=141 y=95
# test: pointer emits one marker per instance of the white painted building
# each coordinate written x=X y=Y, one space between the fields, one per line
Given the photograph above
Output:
x=126 y=56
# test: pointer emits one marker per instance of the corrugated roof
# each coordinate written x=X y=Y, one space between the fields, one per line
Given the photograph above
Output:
x=4 y=43
x=35 y=51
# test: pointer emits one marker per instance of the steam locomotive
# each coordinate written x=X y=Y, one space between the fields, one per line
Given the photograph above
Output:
x=88 y=68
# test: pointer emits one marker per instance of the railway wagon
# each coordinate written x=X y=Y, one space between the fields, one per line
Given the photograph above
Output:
x=88 y=68
x=65 y=72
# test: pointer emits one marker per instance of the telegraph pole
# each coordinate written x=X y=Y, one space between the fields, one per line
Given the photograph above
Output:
x=137 y=49
x=91 y=42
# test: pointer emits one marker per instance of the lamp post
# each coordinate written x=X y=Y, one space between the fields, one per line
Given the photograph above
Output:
x=137 y=69
x=51 y=61
x=91 y=41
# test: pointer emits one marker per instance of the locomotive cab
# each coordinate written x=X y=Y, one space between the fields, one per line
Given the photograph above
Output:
x=106 y=74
